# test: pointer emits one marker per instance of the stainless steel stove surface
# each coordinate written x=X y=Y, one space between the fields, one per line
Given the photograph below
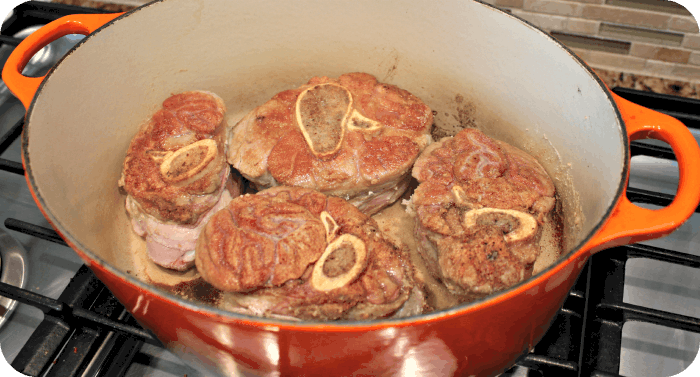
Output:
x=662 y=341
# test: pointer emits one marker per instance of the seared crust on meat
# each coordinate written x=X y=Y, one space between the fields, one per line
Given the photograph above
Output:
x=265 y=248
x=479 y=207
x=348 y=137
x=170 y=193
x=257 y=241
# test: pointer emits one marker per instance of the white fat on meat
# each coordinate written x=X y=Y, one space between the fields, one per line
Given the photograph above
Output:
x=171 y=245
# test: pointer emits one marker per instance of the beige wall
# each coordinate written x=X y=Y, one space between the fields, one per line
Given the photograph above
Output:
x=648 y=37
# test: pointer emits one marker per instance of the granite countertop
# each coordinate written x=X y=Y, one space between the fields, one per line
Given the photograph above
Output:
x=106 y=5
x=611 y=78
x=648 y=83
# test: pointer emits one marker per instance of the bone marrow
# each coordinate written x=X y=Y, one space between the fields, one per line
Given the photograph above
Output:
x=321 y=113
x=189 y=163
x=517 y=226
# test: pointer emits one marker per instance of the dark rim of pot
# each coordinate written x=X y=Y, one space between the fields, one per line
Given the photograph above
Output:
x=375 y=323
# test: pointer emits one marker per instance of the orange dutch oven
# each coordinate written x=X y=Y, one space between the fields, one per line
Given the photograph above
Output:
x=471 y=63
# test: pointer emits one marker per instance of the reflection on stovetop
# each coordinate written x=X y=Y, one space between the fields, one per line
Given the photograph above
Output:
x=645 y=349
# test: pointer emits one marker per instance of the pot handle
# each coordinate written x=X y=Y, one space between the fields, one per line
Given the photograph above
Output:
x=24 y=87
x=630 y=223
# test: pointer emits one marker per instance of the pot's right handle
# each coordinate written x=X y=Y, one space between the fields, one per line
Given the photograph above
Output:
x=630 y=223
x=24 y=87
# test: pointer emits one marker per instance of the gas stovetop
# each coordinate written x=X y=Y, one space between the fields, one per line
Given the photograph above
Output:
x=634 y=311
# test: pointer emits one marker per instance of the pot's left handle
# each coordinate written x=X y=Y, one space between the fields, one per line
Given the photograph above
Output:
x=25 y=87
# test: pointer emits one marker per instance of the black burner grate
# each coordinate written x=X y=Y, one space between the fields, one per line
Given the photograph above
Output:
x=87 y=332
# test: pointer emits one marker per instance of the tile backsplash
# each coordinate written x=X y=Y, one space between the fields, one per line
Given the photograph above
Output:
x=646 y=37
x=656 y=38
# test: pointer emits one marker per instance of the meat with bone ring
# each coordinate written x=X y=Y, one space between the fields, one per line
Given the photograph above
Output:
x=296 y=253
x=480 y=205
x=176 y=176
x=351 y=137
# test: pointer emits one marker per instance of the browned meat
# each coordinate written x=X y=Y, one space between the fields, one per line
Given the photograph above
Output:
x=351 y=137
x=480 y=205
x=294 y=252
x=175 y=174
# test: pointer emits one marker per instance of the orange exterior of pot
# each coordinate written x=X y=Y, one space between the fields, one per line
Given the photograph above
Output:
x=630 y=223
x=429 y=346
x=482 y=339
x=25 y=87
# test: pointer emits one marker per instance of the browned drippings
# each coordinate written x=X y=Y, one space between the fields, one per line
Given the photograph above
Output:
x=551 y=239
x=195 y=289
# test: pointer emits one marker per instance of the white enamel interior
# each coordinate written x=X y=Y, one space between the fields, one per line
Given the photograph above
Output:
x=468 y=61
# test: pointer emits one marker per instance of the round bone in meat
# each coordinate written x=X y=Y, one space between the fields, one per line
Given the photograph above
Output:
x=321 y=113
x=190 y=163
x=517 y=226
x=340 y=264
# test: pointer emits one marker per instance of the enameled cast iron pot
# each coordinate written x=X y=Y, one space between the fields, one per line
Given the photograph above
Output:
x=470 y=62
